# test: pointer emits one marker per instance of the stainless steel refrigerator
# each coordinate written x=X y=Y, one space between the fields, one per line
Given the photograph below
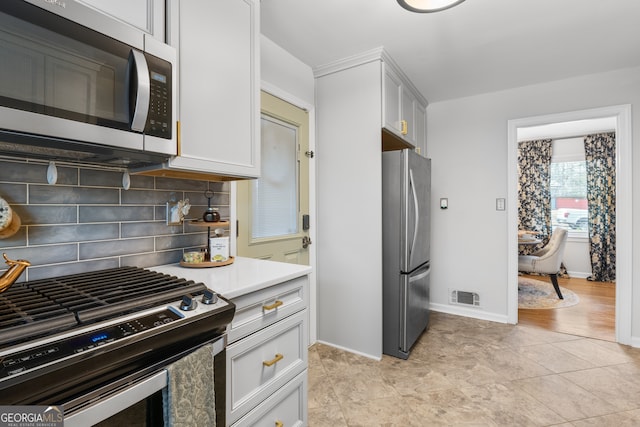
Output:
x=406 y=219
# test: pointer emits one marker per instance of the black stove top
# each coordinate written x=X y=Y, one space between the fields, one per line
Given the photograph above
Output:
x=32 y=309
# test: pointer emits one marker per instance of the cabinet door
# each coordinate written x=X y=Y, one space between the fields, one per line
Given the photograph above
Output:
x=392 y=94
x=421 y=128
x=407 y=116
x=147 y=15
x=218 y=51
x=262 y=363
x=286 y=407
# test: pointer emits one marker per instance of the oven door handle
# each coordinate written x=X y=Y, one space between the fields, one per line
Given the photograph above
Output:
x=118 y=402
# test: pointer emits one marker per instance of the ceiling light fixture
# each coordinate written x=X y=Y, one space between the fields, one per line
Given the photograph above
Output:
x=427 y=6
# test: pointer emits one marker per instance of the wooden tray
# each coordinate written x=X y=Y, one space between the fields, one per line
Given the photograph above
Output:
x=207 y=264
x=200 y=223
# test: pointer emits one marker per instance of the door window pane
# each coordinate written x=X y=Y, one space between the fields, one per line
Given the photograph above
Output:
x=275 y=193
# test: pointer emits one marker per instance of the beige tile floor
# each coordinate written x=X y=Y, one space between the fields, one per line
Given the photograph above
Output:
x=468 y=372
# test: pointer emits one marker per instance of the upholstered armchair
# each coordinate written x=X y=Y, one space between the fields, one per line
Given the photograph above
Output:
x=547 y=260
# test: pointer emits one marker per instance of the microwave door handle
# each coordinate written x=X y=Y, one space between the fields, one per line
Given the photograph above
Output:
x=141 y=91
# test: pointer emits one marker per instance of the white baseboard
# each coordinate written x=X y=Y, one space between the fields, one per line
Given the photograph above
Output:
x=635 y=342
x=475 y=313
x=578 y=274
x=350 y=350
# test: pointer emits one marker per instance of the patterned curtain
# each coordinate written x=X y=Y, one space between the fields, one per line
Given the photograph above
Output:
x=534 y=190
x=600 y=153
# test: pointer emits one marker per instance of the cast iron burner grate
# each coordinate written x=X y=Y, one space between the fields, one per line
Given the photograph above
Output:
x=30 y=309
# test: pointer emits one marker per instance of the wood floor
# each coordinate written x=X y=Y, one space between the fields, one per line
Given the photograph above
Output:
x=593 y=317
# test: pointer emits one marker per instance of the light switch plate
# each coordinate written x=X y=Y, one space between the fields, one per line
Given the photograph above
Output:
x=500 y=204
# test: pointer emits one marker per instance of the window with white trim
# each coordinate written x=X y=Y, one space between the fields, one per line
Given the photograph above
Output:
x=569 y=187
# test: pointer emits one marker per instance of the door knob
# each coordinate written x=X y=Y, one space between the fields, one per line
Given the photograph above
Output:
x=306 y=241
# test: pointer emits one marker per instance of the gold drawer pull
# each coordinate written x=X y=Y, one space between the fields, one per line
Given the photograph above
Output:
x=273 y=361
x=279 y=424
x=276 y=304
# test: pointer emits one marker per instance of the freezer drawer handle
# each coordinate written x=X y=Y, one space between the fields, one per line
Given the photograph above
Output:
x=276 y=304
x=273 y=361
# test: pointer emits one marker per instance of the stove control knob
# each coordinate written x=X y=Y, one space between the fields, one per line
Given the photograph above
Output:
x=209 y=297
x=188 y=303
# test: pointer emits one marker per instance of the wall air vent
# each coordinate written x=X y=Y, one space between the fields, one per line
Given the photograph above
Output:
x=465 y=298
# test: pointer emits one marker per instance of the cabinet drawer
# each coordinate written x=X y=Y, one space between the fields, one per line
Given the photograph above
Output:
x=258 y=309
x=287 y=406
x=259 y=365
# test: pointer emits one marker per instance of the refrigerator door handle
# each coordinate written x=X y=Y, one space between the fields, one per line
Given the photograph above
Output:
x=416 y=213
x=422 y=275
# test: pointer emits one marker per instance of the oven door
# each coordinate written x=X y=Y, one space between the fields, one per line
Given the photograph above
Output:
x=141 y=402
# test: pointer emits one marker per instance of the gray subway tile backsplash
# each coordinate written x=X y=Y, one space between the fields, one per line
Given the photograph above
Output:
x=100 y=178
x=149 y=228
x=87 y=221
x=46 y=254
x=181 y=241
x=57 y=194
x=43 y=214
x=14 y=193
x=115 y=213
x=23 y=172
x=148 y=197
x=54 y=270
x=43 y=235
x=90 y=250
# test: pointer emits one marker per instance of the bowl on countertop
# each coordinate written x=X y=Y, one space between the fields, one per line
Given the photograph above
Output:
x=193 y=257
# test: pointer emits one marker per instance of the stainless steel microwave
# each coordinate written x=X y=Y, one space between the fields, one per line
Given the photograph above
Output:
x=79 y=85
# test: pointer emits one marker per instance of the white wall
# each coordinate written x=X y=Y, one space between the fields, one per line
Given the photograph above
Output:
x=350 y=209
x=467 y=141
x=279 y=69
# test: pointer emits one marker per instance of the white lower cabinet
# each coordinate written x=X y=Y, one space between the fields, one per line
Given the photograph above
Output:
x=267 y=357
x=286 y=408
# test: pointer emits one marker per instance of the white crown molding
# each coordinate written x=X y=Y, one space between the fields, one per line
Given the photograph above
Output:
x=376 y=54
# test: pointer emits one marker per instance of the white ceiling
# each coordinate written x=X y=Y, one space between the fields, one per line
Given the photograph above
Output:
x=476 y=47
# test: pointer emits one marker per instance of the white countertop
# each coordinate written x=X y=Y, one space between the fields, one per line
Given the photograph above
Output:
x=245 y=275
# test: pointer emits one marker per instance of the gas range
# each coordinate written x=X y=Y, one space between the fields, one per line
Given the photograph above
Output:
x=63 y=338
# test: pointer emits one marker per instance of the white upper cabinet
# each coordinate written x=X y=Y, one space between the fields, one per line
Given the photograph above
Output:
x=147 y=15
x=391 y=104
x=403 y=108
x=408 y=111
x=421 y=128
x=219 y=87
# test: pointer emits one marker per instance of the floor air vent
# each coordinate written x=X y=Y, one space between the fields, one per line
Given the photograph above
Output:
x=465 y=298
